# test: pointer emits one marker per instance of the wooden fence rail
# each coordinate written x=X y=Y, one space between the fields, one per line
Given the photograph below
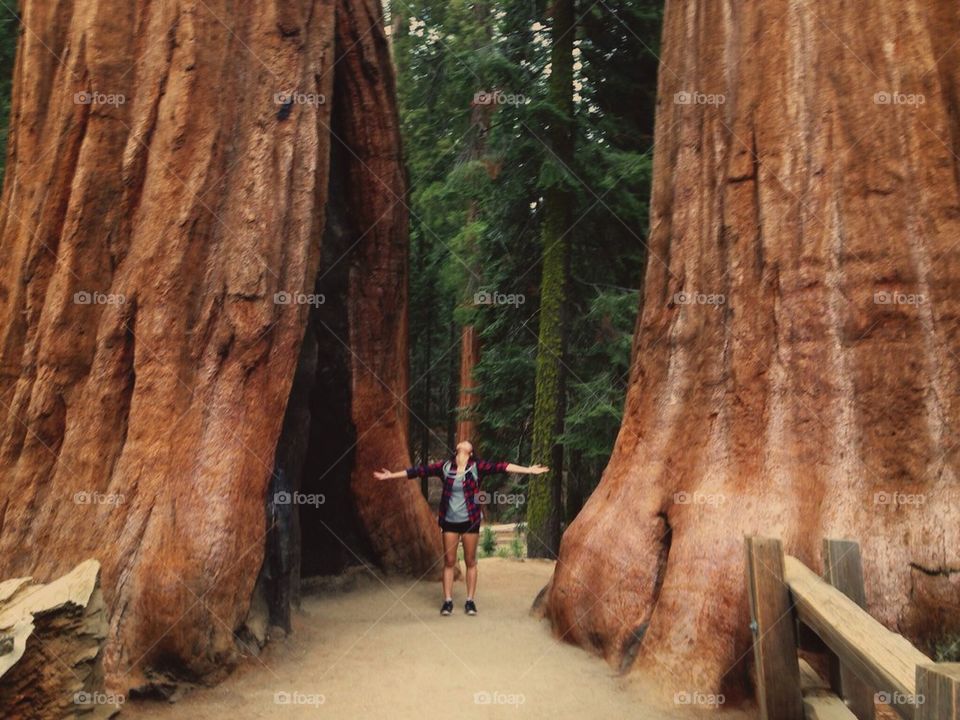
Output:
x=791 y=606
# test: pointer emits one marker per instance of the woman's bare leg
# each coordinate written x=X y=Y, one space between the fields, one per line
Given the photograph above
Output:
x=470 y=541
x=450 y=541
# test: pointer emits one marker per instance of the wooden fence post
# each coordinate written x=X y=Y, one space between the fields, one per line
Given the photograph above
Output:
x=844 y=570
x=774 y=632
x=938 y=692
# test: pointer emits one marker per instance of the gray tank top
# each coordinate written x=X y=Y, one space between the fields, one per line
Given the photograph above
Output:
x=457 y=509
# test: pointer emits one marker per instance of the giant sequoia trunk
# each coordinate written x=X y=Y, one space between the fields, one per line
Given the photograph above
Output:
x=149 y=251
x=797 y=360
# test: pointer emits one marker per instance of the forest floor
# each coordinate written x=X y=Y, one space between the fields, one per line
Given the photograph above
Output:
x=380 y=649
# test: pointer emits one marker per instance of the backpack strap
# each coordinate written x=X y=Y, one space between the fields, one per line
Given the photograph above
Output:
x=472 y=470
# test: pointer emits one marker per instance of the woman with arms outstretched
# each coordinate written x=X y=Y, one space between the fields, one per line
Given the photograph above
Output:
x=460 y=512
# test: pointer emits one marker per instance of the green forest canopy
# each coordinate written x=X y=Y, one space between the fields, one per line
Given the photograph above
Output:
x=475 y=200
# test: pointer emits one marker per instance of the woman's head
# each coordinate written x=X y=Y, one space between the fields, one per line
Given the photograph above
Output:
x=464 y=447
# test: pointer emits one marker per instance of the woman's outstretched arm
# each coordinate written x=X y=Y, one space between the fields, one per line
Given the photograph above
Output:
x=431 y=470
x=527 y=470
x=486 y=467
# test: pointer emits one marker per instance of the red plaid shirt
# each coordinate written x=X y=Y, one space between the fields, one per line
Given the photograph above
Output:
x=447 y=471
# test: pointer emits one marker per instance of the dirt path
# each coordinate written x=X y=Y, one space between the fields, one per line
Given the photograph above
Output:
x=383 y=651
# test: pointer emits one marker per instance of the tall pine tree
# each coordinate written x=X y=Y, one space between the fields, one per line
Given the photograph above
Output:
x=544 y=491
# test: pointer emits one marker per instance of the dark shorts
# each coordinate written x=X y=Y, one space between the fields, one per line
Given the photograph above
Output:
x=464 y=528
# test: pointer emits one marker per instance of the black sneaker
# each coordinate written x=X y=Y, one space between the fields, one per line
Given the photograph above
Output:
x=447 y=608
x=470 y=607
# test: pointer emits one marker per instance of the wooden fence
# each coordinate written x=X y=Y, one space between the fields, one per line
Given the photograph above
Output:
x=791 y=608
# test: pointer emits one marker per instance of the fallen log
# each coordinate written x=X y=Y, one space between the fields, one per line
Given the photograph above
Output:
x=51 y=638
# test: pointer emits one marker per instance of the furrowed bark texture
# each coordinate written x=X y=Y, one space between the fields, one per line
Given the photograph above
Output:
x=145 y=358
x=806 y=177
x=399 y=524
x=52 y=637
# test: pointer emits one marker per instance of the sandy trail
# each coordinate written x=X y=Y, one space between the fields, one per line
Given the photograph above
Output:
x=382 y=650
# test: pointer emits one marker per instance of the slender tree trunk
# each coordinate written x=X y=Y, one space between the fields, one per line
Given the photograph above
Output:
x=544 y=491
x=469 y=357
x=797 y=363
x=452 y=388
x=575 y=486
x=163 y=211
x=481 y=115
x=398 y=20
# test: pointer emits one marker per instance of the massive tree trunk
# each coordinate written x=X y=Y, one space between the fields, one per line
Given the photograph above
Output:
x=159 y=238
x=398 y=522
x=797 y=359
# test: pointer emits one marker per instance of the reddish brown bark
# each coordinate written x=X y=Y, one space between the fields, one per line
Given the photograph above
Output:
x=469 y=357
x=800 y=403
x=190 y=207
x=398 y=521
x=481 y=116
